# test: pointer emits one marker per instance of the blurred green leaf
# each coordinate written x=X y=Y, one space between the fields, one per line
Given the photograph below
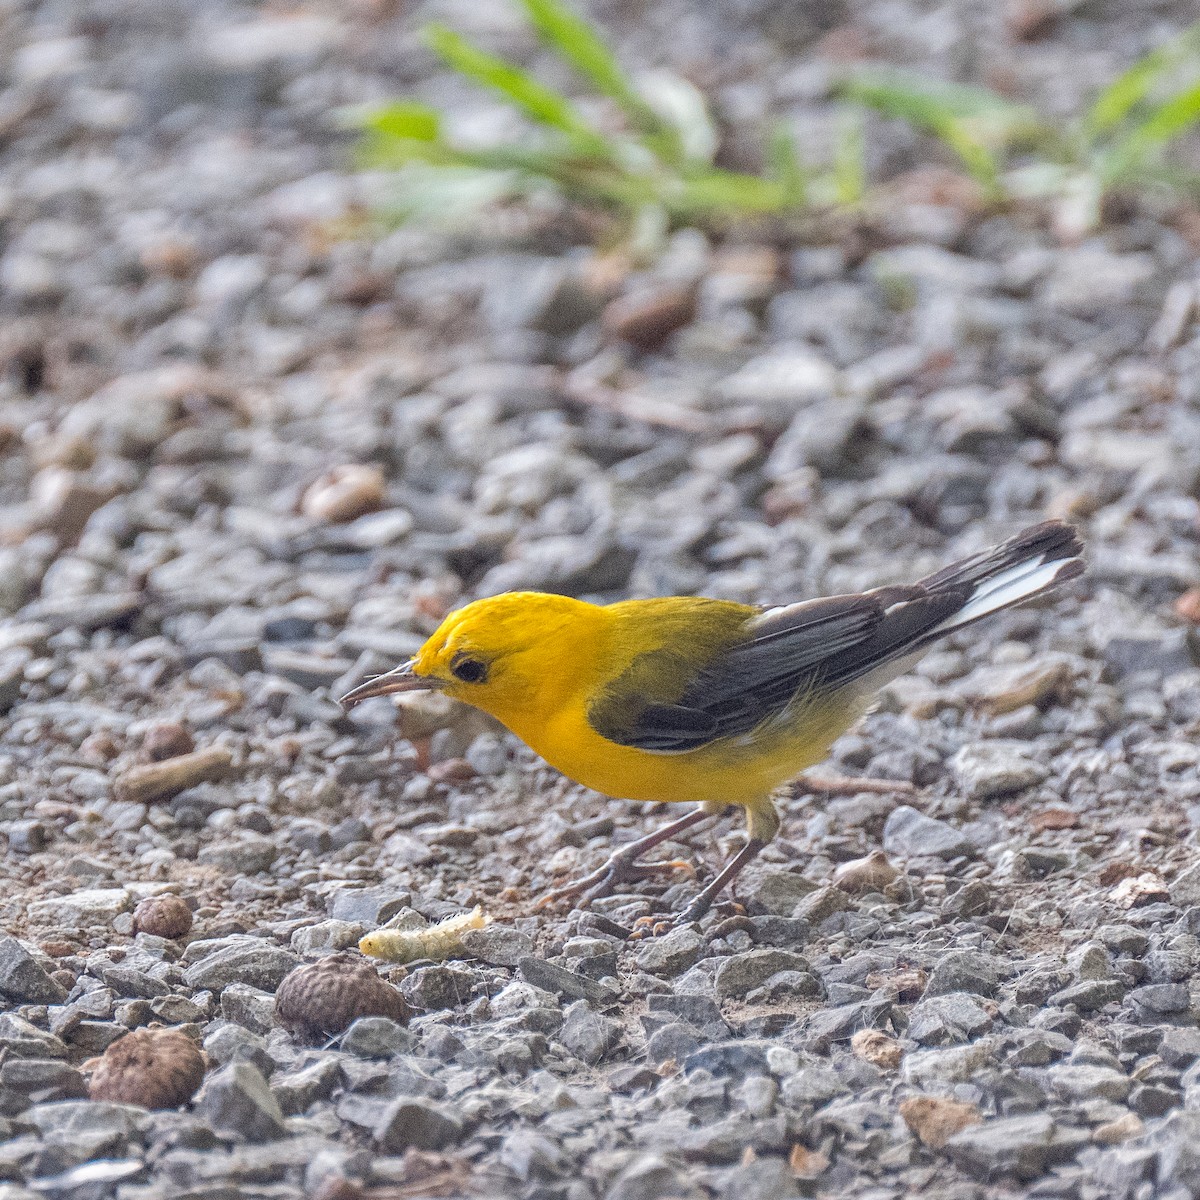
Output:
x=403 y=119
x=784 y=166
x=973 y=122
x=1170 y=119
x=935 y=105
x=580 y=44
x=656 y=174
x=1117 y=101
x=542 y=104
x=716 y=190
x=1136 y=150
x=849 y=173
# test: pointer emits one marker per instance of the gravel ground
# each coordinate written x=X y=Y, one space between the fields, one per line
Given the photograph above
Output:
x=245 y=462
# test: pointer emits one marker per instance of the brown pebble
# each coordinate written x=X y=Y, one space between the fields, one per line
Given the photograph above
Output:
x=161 y=780
x=156 y=1068
x=58 y=949
x=322 y=999
x=343 y=493
x=163 y=916
x=936 y=1120
x=647 y=318
x=877 y=1048
x=1112 y=1133
x=361 y=287
x=168 y=739
x=451 y=770
x=806 y=1163
x=63 y=450
x=908 y=985
x=1028 y=20
x=1004 y=688
x=170 y=255
x=338 y=1187
x=870 y=874
x=1053 y=818
x=100 y=745
x=62 y=502
x=1188 y=606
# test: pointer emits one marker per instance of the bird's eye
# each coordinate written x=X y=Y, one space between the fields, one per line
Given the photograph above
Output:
x=469 y=670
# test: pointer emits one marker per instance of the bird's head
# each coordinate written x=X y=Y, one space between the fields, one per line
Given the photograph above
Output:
x=506 y=654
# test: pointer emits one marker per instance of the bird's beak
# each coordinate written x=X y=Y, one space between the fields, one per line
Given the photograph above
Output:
x=399 y=679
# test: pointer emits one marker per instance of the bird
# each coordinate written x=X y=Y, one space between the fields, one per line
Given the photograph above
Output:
x=709 y=702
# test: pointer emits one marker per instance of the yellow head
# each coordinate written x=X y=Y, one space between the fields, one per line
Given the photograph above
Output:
x=515 y=656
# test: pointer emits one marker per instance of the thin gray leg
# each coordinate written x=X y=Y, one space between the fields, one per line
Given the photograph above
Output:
x=623 y=867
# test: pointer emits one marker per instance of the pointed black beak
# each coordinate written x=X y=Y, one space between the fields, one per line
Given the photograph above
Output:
x=400 y=679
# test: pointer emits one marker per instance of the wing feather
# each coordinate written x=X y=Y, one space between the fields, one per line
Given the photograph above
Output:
x=665 y=701
x=742 y=686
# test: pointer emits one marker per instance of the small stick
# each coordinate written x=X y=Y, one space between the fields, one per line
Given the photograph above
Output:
x=162 y=780
x=848 y=785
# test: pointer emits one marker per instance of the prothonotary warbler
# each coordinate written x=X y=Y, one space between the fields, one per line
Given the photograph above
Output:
x=709 y=702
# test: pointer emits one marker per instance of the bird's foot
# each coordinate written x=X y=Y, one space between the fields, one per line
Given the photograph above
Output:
x=620 y=868
x=707 y=896
x=659 y=924
x=849 y=785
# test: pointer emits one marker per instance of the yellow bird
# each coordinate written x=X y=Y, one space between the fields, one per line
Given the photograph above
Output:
x=693 y=700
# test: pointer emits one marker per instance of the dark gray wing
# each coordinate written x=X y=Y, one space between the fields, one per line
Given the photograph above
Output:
x=781 y=655
x=663 y=702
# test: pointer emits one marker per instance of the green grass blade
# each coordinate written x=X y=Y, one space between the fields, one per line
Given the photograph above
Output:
x=850 y=160
x=580 y=44
x=784 y=166
x=1146 y=140
x=1171 y=118
x=730 y=192
x=933 y=103
x=958 y=115
x=538 y=102
x=400 y=119
x=1117 y=101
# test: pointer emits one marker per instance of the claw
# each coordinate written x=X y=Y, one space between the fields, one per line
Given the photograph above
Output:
x=650 y=927
x=603 y=882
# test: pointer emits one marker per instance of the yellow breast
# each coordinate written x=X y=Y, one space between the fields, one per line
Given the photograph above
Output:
x=733 y=771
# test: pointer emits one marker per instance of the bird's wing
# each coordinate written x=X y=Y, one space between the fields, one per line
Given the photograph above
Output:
x=819 y=646
x=780 y=655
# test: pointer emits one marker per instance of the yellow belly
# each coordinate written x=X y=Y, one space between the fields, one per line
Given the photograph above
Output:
x=743 y=770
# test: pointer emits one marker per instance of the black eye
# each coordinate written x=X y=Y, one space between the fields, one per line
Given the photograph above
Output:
x=469 y=670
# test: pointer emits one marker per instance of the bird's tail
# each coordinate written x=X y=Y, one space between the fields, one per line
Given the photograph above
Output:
x=913 y=617
x=1034 y=561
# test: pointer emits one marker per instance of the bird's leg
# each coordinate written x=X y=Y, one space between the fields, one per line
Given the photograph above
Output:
x=704 y=900
x=623 y=866
x=848 y=785
x=762 y=824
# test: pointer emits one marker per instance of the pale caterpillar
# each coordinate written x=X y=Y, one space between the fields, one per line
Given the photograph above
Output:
x=436 y=942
